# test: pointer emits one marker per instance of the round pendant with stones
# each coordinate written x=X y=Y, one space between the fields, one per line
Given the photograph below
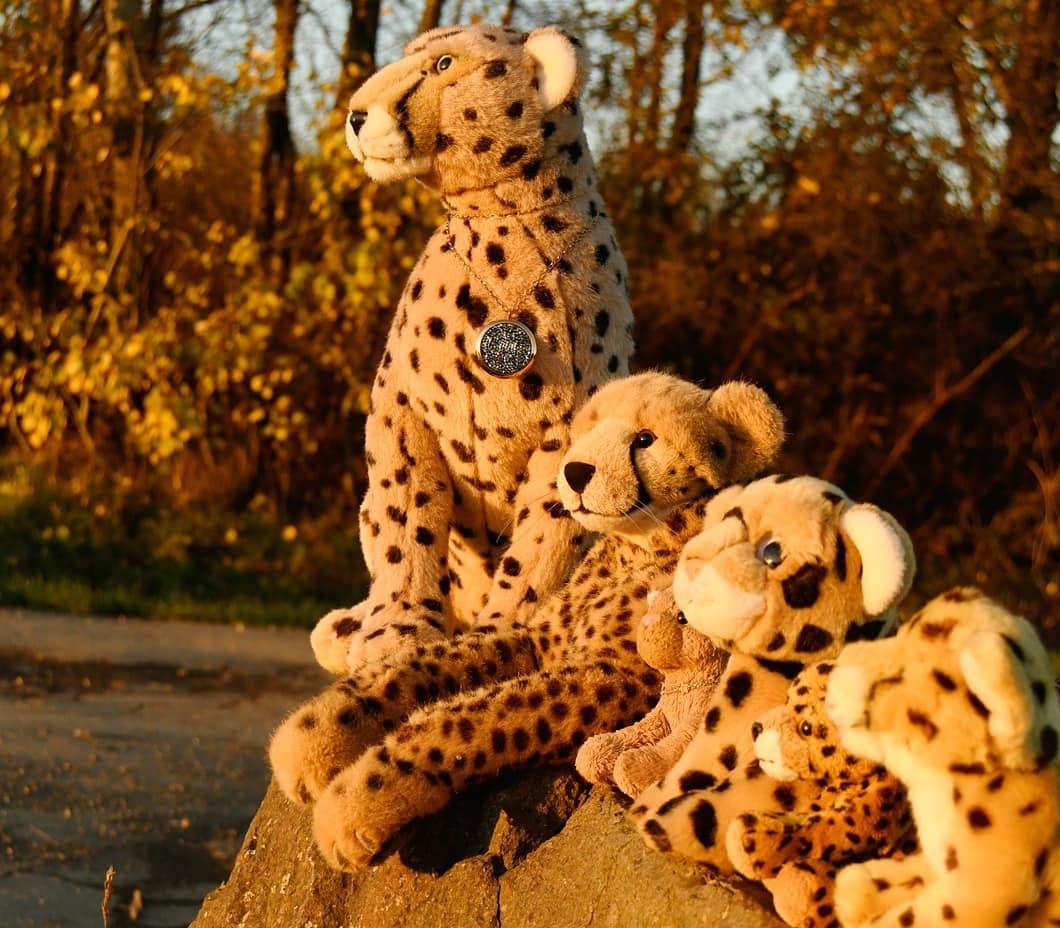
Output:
x=506 y=348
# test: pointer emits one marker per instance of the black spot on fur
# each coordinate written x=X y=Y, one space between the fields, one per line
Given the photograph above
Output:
x=840 y=557
x=812 y=638
x=512 y=154
x=1049 y=746
x=738 y=688
x=697 y=779
x=803 y=588
x=705 y=824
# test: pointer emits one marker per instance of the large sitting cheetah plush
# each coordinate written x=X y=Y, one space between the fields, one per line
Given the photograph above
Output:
x=784 y=571
x=961 y=705
x=859 y=810
x=648 y=452
x=462 y=521
x=634 y=757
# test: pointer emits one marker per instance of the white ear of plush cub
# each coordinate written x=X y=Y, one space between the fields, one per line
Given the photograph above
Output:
x=886 y=553
x=557 y=65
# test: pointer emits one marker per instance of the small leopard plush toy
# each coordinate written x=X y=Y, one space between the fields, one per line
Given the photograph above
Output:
x=394 y=742
x=634 y=757
x=859 y=810
x=962 y=707
x=784 y=571
x=516 y=312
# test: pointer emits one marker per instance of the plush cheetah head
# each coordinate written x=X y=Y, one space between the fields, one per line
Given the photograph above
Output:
x=645 y=444
x=965 y=686
x=798 y=741
x=667 y=642
x=788 y=569
x=468 y=107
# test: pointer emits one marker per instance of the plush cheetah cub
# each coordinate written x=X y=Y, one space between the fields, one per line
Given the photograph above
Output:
x=961 y=706
x=634 y=757
x=784 y=571
x=859 y=809
x=648 y=452
x=462 y=521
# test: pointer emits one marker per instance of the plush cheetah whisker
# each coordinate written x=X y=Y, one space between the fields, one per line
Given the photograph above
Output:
x=647 y=510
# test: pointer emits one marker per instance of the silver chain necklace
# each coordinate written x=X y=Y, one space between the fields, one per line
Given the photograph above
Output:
x=507 y=347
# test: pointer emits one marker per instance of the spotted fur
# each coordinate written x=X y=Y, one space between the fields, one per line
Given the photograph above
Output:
x=859 y=810
x=648 y=452
x=784 y=571
x=462 y=521
x=961 y=706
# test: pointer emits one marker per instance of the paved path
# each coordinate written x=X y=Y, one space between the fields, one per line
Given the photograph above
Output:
x=133 y=744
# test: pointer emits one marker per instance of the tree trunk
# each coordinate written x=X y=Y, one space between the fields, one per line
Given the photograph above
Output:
x=276 y=170
x=358 y=51
x=691 y=53
x=124 y=110
x=432 y=15
x=1029 y=184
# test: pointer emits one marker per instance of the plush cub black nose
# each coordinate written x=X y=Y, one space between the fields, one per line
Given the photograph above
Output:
x=578 y=475
x=357 y=120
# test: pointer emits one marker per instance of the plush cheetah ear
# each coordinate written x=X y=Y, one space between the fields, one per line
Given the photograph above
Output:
x=1012 y=679
x=755 y=428
x=560 y=67
x=887 y=558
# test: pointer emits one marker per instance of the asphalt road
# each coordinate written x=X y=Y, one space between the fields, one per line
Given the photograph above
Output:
x=137 y=745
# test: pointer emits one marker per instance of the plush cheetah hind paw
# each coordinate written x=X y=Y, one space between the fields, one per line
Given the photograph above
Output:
x=595 y=760
x=386 y=639
x=857 y=896
x=330 y=639
x=759 y=845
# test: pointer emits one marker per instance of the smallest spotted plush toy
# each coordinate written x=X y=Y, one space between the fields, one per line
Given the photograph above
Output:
x=860 y=810
x=634 y=757
x=962 y=707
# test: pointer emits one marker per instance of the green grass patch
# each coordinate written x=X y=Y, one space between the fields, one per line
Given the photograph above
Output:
x=126 y=553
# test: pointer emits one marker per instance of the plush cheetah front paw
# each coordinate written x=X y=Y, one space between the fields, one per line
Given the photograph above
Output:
x=384 y=638
x=317 y=741
x=637 y=769
x=368 y=803
x=858 y=899
x=330 y=639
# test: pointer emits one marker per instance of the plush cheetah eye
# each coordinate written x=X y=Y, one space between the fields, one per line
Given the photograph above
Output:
x=644 y=439
x=442 y=64
x=806 y=729
x=681 y=620
x=770 y=552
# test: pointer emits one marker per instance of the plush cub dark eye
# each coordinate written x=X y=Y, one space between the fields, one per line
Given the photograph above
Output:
x=442 y=64
x=770 y=552
x=806 y=729
x=681 y=620
x=644 y=439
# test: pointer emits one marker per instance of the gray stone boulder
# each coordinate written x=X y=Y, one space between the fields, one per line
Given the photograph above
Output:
x=537 y=849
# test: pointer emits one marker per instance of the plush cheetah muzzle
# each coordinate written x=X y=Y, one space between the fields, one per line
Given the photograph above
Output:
x=376 y=139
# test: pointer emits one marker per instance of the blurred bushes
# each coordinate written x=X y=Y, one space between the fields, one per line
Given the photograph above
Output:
x=176 y=391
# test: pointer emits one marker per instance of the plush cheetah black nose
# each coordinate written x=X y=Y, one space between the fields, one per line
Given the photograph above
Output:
x=578 y=475
x=357 y=120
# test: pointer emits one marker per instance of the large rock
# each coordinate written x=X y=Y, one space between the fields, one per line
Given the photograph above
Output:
x=534 y=850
